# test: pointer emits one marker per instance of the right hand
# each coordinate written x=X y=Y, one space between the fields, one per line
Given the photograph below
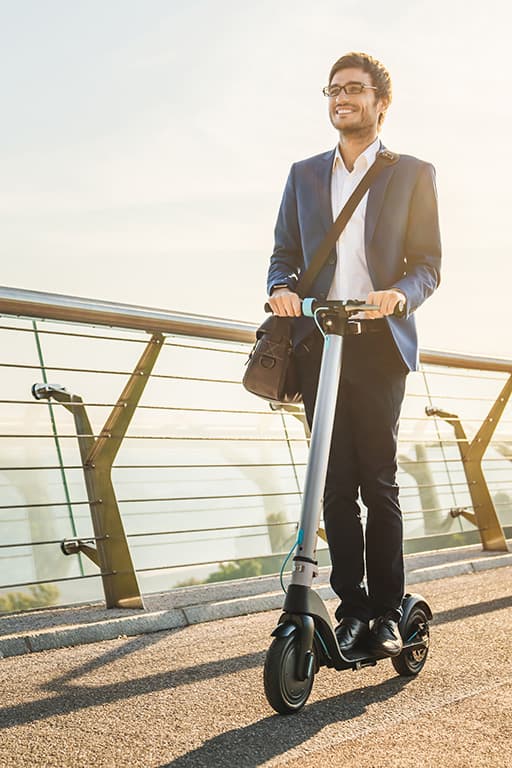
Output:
x=285 y=303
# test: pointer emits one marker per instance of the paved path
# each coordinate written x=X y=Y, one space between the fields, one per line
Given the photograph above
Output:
x=193 y=697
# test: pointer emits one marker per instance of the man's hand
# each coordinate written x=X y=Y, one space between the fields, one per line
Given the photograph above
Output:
x=285 y=303
x=386 y=301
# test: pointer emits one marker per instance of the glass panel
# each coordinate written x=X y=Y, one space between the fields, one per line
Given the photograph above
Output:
x=208 y=477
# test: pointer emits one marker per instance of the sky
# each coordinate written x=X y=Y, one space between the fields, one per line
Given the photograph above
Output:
x=144 y=145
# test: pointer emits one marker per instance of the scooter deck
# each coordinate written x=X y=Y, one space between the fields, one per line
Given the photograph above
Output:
x=363 y=656
x=360 y=656
x=362 y=653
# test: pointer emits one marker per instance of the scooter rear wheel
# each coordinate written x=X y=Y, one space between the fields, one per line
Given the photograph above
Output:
x=411 y=661
x=284 y=691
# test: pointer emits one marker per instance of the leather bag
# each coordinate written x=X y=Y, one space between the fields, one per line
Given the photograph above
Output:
x=271 y=371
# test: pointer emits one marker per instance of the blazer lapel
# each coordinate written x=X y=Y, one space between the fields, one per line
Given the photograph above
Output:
x=375 y=200
x=323 y=189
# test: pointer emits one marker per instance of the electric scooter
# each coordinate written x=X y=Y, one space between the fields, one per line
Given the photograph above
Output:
x=304 y=639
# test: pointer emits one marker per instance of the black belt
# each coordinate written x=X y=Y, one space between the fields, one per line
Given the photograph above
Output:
x=369 y=326
x=315 y=337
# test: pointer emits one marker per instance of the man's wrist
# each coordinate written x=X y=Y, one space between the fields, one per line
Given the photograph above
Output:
x=277 y=287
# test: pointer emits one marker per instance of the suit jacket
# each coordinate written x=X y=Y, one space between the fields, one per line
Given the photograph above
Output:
x=402 y=238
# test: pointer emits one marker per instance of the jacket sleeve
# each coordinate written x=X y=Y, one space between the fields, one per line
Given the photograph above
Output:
x=422 y=251
x=287 y=258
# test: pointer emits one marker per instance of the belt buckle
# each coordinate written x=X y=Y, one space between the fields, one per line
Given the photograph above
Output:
x=354 y=327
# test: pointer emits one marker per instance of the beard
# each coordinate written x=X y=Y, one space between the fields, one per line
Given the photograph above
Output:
x=360 y=131
x=361 y=128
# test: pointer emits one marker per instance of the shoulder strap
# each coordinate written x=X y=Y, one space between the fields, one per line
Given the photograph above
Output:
x=383 y=159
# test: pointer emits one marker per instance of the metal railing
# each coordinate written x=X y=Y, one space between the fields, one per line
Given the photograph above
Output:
x=145 y=459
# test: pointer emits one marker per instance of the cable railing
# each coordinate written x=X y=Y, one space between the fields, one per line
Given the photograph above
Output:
x=144 y=465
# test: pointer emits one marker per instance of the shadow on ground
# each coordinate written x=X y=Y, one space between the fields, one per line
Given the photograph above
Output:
x=67 y=696
x=254 y=744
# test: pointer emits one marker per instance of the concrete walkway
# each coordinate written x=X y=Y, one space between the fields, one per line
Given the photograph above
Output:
x=47 y=629
x=193 y=697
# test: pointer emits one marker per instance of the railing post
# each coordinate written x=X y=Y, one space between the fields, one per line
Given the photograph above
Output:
x=484 y=516
x=112 y=552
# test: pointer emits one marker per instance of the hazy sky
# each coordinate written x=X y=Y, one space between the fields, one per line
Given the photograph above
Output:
x=144 y=145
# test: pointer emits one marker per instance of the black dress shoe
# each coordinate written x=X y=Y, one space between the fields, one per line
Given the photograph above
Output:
x=385 y=637
x=349 y=632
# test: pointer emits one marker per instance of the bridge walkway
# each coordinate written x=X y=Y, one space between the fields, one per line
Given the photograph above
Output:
x=193 y=697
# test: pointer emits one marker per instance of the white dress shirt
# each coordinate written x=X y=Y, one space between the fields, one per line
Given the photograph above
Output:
x=351 y=278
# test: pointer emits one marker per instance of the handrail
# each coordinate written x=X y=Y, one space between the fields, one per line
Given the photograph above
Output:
x=459 y=360
x=73 y=309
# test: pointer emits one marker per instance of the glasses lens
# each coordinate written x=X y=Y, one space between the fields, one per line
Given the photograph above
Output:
x=352 y=88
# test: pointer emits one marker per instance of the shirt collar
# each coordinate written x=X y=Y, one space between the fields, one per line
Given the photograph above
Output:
x=364 y=160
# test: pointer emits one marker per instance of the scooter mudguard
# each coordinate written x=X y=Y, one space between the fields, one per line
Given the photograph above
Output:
x=285 y=629
x=409 y=602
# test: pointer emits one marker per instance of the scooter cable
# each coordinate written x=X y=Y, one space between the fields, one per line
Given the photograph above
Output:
x=320 y=309
x=297 y=543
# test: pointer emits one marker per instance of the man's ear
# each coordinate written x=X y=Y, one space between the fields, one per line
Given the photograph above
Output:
x=384 y=104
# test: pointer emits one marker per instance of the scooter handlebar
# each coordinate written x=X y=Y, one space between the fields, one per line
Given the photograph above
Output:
x=350 y=307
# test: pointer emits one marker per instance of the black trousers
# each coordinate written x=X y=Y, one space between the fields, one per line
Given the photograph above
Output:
x=362 y=459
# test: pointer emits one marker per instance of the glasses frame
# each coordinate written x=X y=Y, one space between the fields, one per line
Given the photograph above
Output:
x=343 y=88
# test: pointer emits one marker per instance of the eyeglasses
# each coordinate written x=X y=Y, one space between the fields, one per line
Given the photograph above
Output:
x=351 y=89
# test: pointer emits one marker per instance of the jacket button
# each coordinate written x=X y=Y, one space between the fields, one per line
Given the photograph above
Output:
x=332 y=260
x=322 y=295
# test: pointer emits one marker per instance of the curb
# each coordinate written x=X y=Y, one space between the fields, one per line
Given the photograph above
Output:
x=137 y=623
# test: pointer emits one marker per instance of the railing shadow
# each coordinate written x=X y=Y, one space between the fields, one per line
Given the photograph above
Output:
x=73 y=698
x=66 y=696
x=255 y=744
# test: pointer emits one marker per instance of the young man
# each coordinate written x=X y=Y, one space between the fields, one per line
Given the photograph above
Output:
x=389 y=253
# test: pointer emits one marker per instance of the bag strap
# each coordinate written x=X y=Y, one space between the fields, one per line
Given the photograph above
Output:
x=384 y=158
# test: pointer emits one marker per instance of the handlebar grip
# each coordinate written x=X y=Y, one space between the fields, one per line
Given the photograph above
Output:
x=308 y=308
x=399 y=310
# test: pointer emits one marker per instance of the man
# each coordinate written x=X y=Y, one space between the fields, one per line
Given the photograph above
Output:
x=388 y=254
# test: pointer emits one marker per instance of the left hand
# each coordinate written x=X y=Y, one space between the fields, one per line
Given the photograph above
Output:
x=386 y=301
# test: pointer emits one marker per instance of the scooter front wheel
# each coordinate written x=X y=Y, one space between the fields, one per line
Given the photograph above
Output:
x=284 y=691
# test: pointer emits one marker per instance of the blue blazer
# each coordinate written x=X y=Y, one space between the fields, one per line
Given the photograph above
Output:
x=402 y=238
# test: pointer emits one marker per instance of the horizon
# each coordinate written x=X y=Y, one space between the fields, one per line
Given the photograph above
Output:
x=144 y=164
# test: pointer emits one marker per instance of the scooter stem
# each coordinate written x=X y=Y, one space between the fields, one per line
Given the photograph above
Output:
x=305 y=566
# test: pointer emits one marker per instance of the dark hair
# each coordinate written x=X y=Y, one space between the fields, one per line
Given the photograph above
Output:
x=380 y=76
